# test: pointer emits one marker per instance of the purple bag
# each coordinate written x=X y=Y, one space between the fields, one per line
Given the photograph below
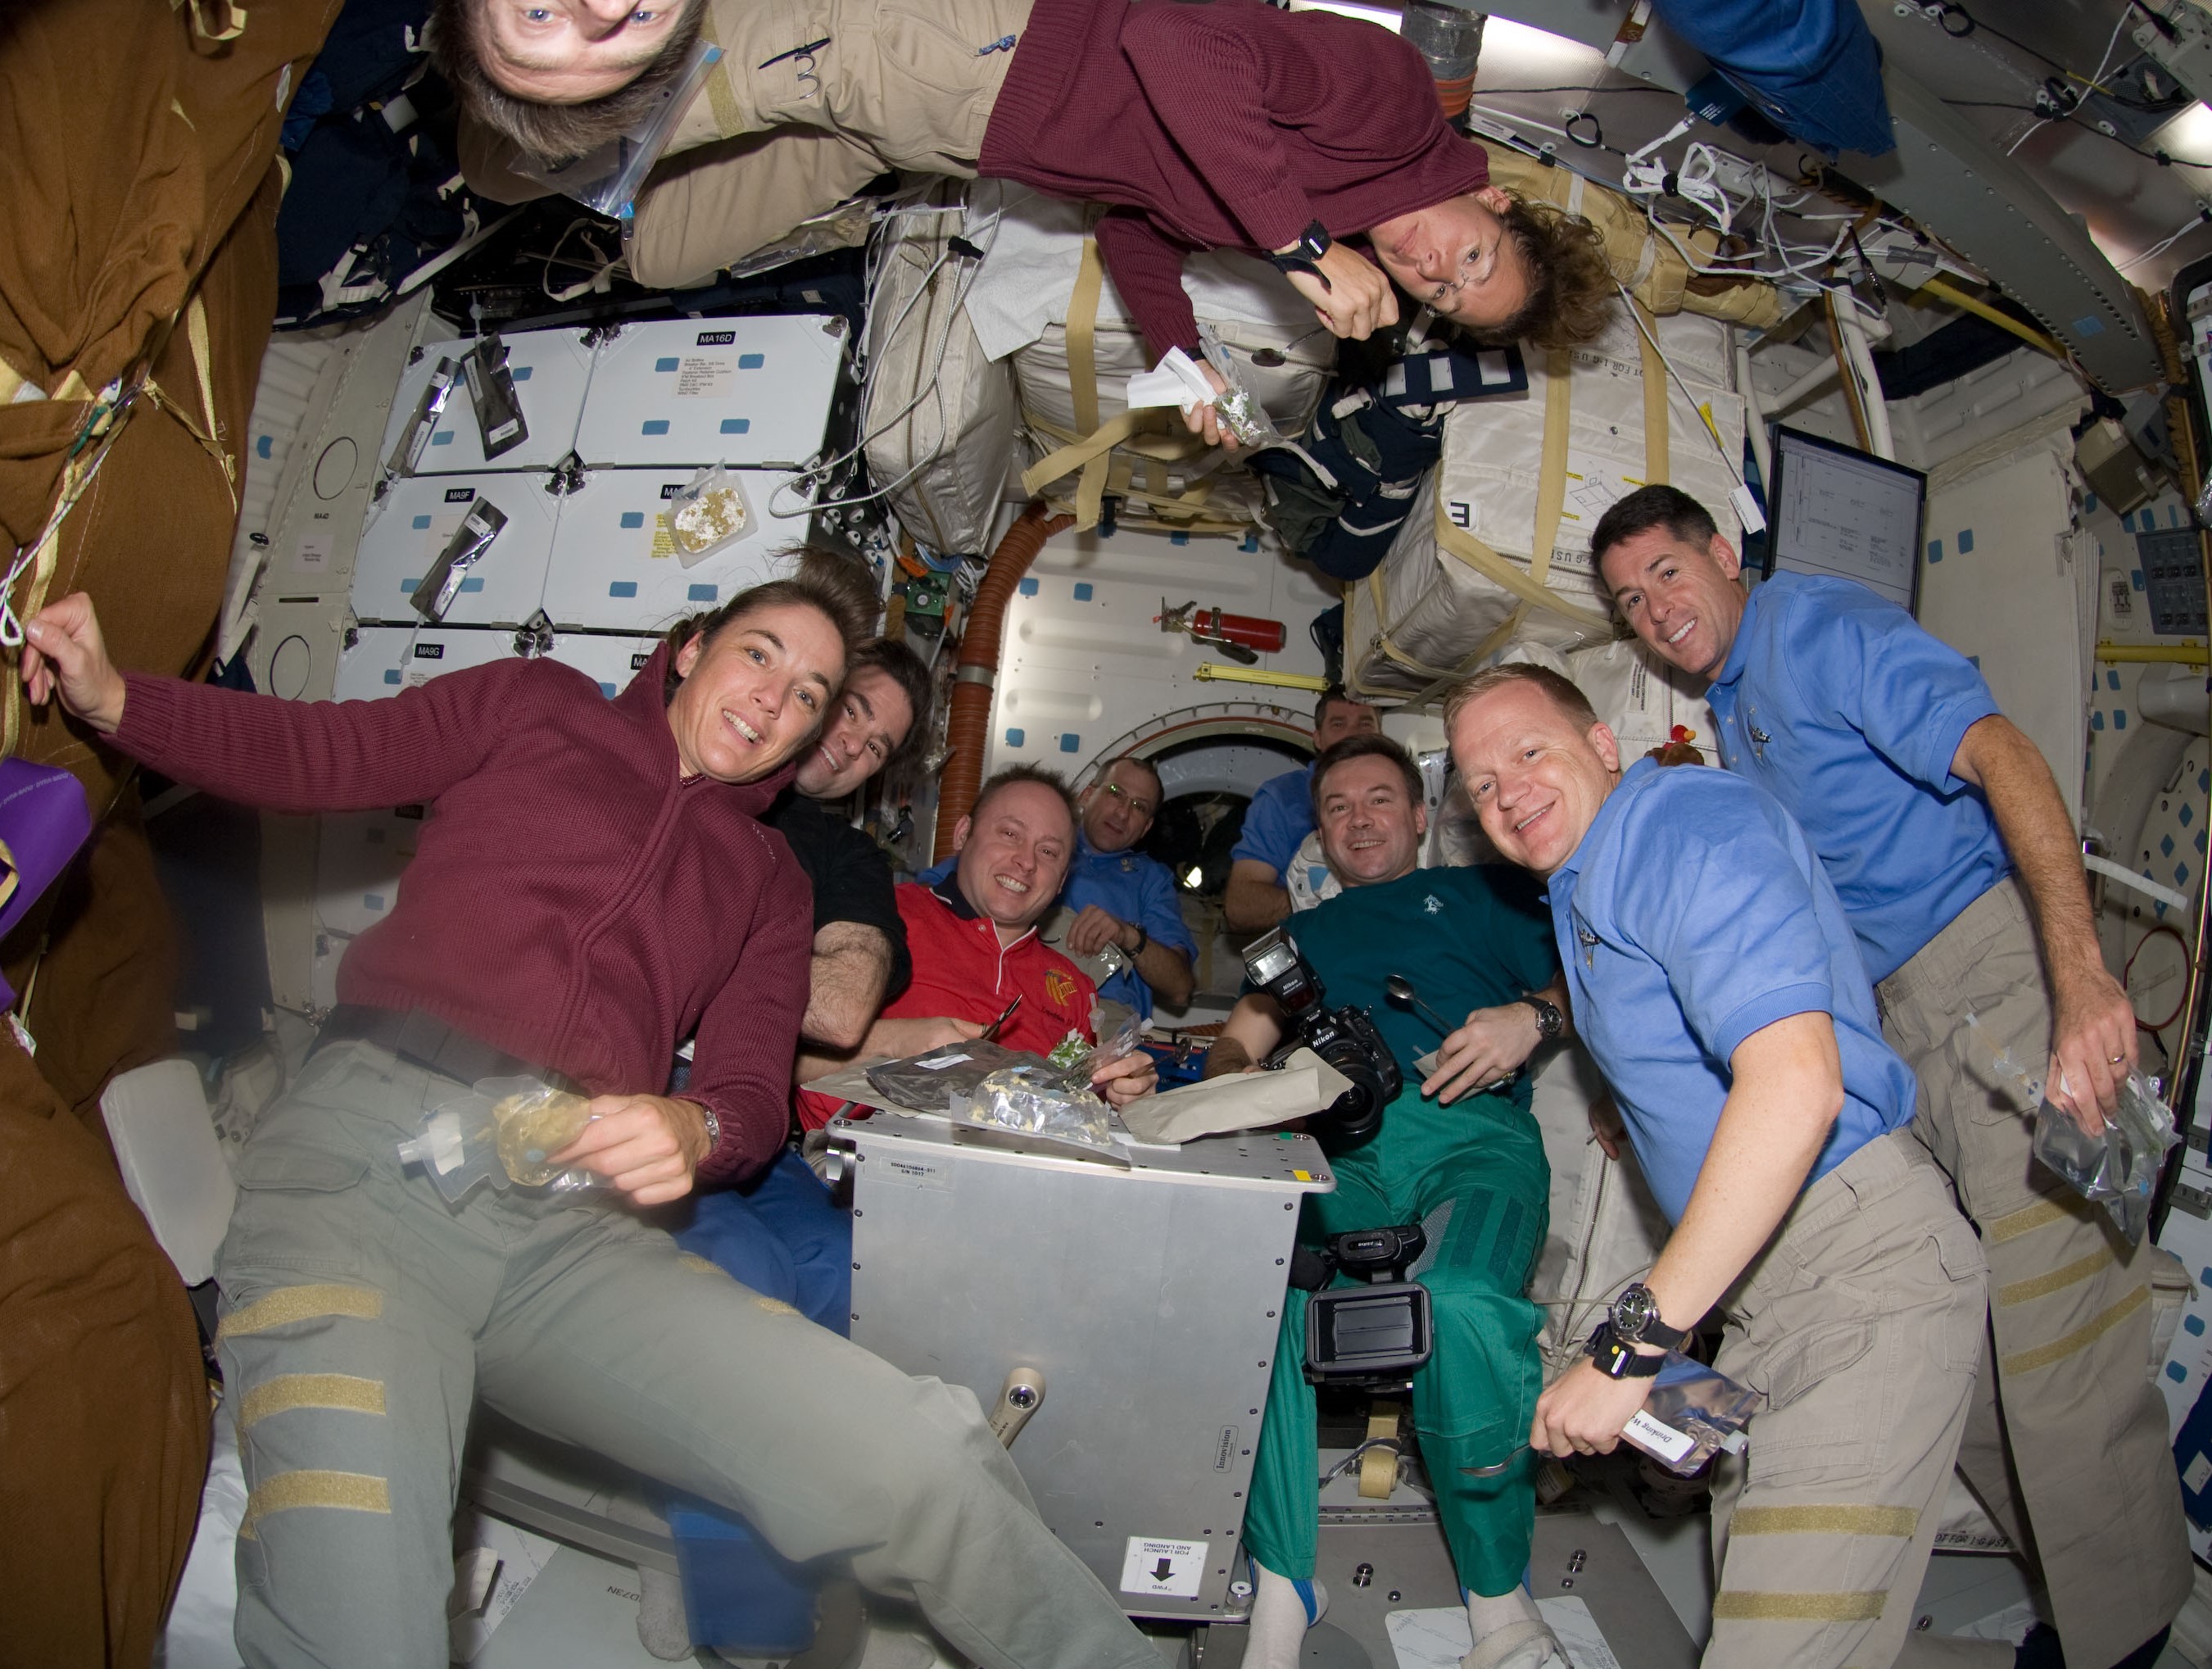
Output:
x=43 y=821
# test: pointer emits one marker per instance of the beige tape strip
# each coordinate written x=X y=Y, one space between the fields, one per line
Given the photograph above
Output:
x=1080 y=456
x=286 y=1392
x=696 y=1264
x=2067 y=1274
x=719 y=99
x=1833 y=1520
x=1656 y=458
x=289 y=1304
x=1853 y=1606
x=2028 y=1218
x=2081 y=1338
x=1552 y=474
x=352 y=1492
x=1083 y=377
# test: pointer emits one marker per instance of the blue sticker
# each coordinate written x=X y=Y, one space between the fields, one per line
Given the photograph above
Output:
x=391 y=674
x=2096 y=720
x=622 y=589
x=2175 y=1371
x=608 y=691
x=2195 y=1324
x=2086 y=326
x=262 y=445
x=1082 y=592
x=702 y=594
x=407 y=587
x=1028 y=587
x=372 y=900
x=1014 y=737
x=473 y=584
x=737 y=425
x=655 y=426
x=1251 y=543
x=2188 y=813
x=2119 y=718
x=421 y=523
x=2173 y=515
x=1966 y=541
x=2090 y=503
x=520 y=373
x=1935 y=549
x=2166 y=846
x=1070 y=742
x=441 y=438
x=665 y=364
x=2200 y=840
x=2135 y=577
x=2112 y=679
x=2181 y=874
x=632 y=518
x=1178 y=538
x=751 y=362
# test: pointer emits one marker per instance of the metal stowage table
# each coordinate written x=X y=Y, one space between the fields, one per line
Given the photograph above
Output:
x=1149 y=1298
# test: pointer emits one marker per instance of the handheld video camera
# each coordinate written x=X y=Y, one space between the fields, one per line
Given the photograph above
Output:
x=1377 y=1336
x=1346 y=1038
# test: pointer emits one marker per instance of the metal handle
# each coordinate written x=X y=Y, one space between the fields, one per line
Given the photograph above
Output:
x=1021 y=1395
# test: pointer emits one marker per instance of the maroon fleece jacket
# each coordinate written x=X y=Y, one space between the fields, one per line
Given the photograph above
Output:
x=1220 y=124
x=572 y=900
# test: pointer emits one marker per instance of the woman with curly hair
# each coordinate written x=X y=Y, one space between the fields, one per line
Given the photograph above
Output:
x=1199 y=124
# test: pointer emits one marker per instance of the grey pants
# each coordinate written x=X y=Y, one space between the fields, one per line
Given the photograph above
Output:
x=362 y=1316
x=1860 y=1326
x=2067 y=1442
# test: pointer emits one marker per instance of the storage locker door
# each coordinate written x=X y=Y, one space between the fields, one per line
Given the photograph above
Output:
x=609 y=661
x=411 y=527
x=551 y=371
x=615 y=566
x=748 y=392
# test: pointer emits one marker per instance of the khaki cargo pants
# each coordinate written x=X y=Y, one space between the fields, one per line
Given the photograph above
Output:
x=903 y=84
x=362 y=1317
x=1860 y=1326
x=2066 y=1444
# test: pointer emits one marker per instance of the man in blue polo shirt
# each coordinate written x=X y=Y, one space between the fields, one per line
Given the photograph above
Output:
x=1279 y=819
x=1960 y=869
x=1716 y=980
x=1124 y=898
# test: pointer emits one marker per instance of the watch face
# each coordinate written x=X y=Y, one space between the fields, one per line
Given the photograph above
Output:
x=1634 y=1311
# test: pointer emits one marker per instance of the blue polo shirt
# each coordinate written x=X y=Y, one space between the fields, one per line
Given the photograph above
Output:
x=1279 y=816
x=1836 y=703
x=1126 y=885
x=1694 y=914
x=1135 y=888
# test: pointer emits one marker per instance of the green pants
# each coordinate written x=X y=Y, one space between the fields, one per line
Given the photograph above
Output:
x=1484 y=1159
x=362 y=1317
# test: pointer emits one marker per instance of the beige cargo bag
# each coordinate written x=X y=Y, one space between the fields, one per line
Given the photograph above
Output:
x=939 y=416
x=1497 y=546
x=1087 y=444
x=1638 y=696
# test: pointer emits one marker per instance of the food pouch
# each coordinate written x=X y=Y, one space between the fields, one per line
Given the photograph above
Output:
x=707 y=513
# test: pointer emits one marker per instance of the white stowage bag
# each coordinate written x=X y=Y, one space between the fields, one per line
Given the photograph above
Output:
x=1638 y=696
x=1464 y=575
x=940 y=414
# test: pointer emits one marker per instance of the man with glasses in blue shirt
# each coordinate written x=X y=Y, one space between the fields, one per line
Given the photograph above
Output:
x=1125 y=899
x=1960 y=869
x=1715 y=979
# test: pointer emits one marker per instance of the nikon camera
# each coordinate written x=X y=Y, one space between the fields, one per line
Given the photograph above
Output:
x=1346 y=1038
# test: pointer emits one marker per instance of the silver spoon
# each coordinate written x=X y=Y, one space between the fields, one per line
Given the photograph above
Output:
x=1492 y=1472
x=1400 y=990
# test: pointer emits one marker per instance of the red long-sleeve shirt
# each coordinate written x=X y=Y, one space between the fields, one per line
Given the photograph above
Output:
x=1225 y=123
x=572 y=900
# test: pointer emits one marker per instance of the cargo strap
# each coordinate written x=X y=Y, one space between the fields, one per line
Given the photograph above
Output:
x=214 y=20
x=196 y=331
x=1656 y=461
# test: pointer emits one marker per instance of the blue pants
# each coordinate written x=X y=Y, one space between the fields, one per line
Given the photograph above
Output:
x=782 y=1236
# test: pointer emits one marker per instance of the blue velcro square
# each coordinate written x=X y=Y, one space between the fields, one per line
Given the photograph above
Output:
x=702 y=594
x=262 y=444
x=1966 y=541
x=622 y=589
x=1070 y=742
x=751 y=362
x=441 y=438
x=391 y=674
x=737 y=425
x=632 y=518
x=520 y=373
x=1935 y=549
x=372 y=900
x=407 y=587
x=419 y=523
x=608 y=691
x=2087 y=326
x=1015 y=737
x=668 y=364
x=1083 y=591
x=1178 y=538
x=1028 y=587
x=471 y=584
x=655 y=426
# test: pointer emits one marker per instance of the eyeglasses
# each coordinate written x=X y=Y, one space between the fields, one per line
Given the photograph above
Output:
x=1142 y=808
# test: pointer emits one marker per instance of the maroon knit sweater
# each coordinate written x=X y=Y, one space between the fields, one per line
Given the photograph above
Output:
x=1223 y=124
x=572 y=900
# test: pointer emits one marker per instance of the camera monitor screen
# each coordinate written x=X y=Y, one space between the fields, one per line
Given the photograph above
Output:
x=1838 y=510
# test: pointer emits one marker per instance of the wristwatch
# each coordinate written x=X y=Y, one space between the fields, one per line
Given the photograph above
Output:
x=1143 y=938
x=1617 y=1359
x=1550 y=1021
x=713 y=1125
x=1635 y=1319
x=1304 y=255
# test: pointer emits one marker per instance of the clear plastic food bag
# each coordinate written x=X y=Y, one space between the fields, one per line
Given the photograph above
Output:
x=606 y=180
x=1693 y=1413
x=458 y=1147
x=707 y=513
x=2119 y=1170
x=534 y=1121
x=930 y=1081
x=1038 y=1100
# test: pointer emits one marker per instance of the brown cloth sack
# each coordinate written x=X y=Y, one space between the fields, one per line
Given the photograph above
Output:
x=138 y=194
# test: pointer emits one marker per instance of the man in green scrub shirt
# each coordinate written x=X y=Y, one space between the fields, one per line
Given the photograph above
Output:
x=1458 y=1152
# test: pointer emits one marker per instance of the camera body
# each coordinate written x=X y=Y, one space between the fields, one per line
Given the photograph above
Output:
x=1344 y=1037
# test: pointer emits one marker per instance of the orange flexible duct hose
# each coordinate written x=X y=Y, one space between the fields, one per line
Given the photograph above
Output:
x=968 y=727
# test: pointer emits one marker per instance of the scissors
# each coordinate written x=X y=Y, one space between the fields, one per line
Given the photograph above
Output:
x=989 y=1033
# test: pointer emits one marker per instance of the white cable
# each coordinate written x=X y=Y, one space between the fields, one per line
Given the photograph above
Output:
x=1734 y=467
x=2202 y=217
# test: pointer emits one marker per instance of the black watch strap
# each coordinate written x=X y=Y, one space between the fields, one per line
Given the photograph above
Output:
x=1551 y=1021
x=1143 y=938
x=1617 y=1360
x=1635 y=1318
x=1302 y=257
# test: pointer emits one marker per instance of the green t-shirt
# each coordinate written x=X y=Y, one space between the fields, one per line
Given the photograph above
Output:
x=1467 y=938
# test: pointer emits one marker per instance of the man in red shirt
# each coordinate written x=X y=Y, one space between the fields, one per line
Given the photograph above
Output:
x=972 y=938
x=1312 y=127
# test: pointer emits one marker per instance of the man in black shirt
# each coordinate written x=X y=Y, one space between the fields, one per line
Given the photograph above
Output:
x=859 y=945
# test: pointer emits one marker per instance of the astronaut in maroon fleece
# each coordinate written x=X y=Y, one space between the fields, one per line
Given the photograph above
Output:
x=591 y=887
x=1200 y=124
